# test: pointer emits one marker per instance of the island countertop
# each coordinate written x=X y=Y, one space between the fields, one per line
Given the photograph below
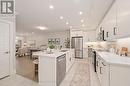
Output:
x=54 y=54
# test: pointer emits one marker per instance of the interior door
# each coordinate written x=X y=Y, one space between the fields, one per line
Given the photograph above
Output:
x=4 y=49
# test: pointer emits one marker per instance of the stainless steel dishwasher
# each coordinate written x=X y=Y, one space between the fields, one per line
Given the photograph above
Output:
x=61 y=68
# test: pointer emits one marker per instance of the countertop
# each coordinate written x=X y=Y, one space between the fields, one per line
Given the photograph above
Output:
x=45 y=54
x=112 y=58
x=55 y=54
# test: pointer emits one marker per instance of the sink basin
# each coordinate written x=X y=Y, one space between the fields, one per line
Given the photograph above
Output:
x=63 y=50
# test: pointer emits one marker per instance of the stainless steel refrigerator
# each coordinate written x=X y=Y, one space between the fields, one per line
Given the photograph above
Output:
x=77 y=44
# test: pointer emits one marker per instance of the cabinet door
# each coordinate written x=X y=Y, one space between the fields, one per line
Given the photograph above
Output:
x=110 y=22
x=123 y=17
x=105 y=74
x=119 y=75
x=4 y=49
x=100 y=71
x=98 y=68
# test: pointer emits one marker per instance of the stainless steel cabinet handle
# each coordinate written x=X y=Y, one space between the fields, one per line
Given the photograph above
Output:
x=97 y=63
x=114 y=32
x=101 y=70
x=107 y=34
x=70 y=59
x=7 y=52
x=103 y=64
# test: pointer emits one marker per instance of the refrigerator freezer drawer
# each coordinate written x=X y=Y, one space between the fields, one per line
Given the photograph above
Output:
x=79 y=54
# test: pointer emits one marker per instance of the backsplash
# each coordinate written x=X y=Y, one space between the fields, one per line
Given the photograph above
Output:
x=104 y=45
x=116 y=45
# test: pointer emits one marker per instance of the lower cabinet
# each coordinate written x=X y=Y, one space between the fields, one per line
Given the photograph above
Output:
x=70 y=57
x=112 y=74
x=102 y=72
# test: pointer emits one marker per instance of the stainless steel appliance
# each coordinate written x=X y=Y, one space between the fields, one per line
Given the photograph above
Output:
x=77 y=44
x=61 y=68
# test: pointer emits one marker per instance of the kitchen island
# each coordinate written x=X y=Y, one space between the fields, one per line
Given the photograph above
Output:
x=53 y=67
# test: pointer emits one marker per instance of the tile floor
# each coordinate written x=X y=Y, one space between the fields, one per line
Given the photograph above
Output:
x=80 y=71
x=79 y=74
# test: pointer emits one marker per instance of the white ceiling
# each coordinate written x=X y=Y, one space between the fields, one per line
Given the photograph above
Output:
x=32 y=13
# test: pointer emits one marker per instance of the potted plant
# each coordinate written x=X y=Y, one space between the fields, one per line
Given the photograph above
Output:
x=51 y=46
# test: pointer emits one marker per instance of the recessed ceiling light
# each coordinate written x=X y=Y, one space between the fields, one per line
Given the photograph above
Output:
x=83 y=25
x=80 y=13
x=41 y=28
x=67 y=23
x=51 y=7
x=82 y=20
x=61 y=17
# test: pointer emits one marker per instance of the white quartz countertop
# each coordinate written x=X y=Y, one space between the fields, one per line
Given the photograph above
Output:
x=113 y=58
x=55 y=54
x=45 y=54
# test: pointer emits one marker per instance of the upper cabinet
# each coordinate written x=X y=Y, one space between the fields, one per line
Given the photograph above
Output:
x=123 y=17
x=76 y=33
x=110 y=23
x=89 y=36
x=116 y=22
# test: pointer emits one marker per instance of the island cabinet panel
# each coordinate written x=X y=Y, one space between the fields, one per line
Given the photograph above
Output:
x=47 y=71
x=70 y=58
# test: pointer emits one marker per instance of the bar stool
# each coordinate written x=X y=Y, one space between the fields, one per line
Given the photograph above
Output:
x=36 y=62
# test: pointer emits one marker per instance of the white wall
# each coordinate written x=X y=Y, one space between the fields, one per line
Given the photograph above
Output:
x=125 y=42
x=62 y=35
x=42 y=39
x=89 y=36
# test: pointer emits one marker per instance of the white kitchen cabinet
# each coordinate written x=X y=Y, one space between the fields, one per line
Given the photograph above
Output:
x=102 y=71
x=112 y=74
x=119 y=75
x=70 y=57
x=123 y=18
x=109 y=23
x=75 y=33
x=116 y=22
